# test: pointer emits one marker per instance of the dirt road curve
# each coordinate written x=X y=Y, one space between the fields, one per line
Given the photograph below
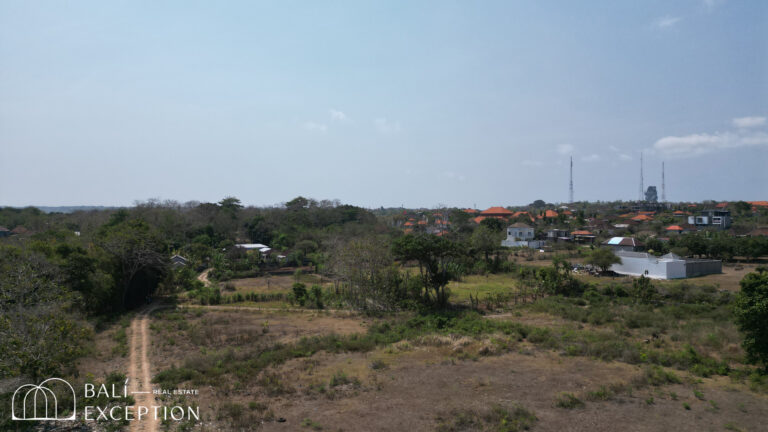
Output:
x=139 y=372
x=203 y=277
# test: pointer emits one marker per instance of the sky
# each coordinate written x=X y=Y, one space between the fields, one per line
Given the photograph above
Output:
x=381 y=103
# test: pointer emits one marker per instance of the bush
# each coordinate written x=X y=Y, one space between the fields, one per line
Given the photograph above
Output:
x=568 y=401
x=300 y=292
x=497 y=418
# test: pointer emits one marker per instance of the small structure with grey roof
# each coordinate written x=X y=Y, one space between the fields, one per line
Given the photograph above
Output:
x=626 y=244
x=178 y=261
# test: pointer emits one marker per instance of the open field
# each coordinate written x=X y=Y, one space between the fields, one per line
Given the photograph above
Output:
x=273 y=284
x=550 y=365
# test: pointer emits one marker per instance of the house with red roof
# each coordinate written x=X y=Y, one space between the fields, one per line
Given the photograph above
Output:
x=494 y=212
x=499 y=212
x=675 y=229
x=642 y=218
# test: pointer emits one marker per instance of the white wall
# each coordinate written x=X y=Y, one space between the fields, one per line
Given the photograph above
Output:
x=657 y=268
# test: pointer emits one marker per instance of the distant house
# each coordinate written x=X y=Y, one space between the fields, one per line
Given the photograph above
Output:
x=642 y=218
x=262 y=248
x=679 y=229
x=495 y=213
x=4 y=232
x=558 y=235
x=583 y=236
x=719 y=219
x=179 y=261
x=521 y=235
x=625 y=244
x=20 y=230
x=758 y=232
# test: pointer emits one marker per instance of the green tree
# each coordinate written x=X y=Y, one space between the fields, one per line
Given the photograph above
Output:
x=435 y=256
x=602 y=258
x=751 y=310
x=134 y=248
x=486 y=240
x=39 y=333
x=300 y=293
x=259 y=230
x=643 y=290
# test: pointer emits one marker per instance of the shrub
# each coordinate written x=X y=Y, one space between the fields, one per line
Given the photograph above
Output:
x=300 y=292
x=568 y=401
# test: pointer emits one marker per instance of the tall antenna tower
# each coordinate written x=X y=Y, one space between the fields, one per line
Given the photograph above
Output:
x=571 y=185
x=642 y=189
x=663 y=186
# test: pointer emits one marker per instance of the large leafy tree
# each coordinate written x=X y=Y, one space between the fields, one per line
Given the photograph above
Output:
x=487 y=240
x=134 y=248
x=602 y=258
x=39 y=334
x=751 y=310
x=435 y=257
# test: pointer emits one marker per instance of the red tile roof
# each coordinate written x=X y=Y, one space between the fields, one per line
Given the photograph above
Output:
x=582 y=232
x=550 y=214
x=675 y=228
x=496 y=211
x=642 y=218
x=470 y=211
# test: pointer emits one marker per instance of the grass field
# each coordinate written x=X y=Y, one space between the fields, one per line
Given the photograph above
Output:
x=482 y=286
x=593 y=363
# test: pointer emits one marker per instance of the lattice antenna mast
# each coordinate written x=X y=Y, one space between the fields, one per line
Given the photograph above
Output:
x=642 y=189
x=663 y=185
x=571 y=184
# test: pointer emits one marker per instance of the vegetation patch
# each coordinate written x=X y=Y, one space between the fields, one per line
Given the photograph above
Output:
x=496 y=418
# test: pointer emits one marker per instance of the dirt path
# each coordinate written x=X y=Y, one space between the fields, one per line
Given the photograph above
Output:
x=139 y=372
x=203 y=277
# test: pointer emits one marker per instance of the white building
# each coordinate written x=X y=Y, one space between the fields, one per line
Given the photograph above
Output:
x=521 y=235
x=254 y=246
x=669 y=266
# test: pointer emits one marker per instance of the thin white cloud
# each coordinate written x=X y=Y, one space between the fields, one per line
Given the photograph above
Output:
x=594 y=157
x=699 y=144
x=315 y=127
x=454 y=176
x=666 y=21
x=386 y=126
x=613 y=148
x=565 y=149
x=625 y=157
x=338 y=115
x=532 y=163
x=710 y=5
x=748 y=122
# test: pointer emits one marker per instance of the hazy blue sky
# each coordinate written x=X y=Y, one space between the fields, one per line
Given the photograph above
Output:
x=381 y=103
